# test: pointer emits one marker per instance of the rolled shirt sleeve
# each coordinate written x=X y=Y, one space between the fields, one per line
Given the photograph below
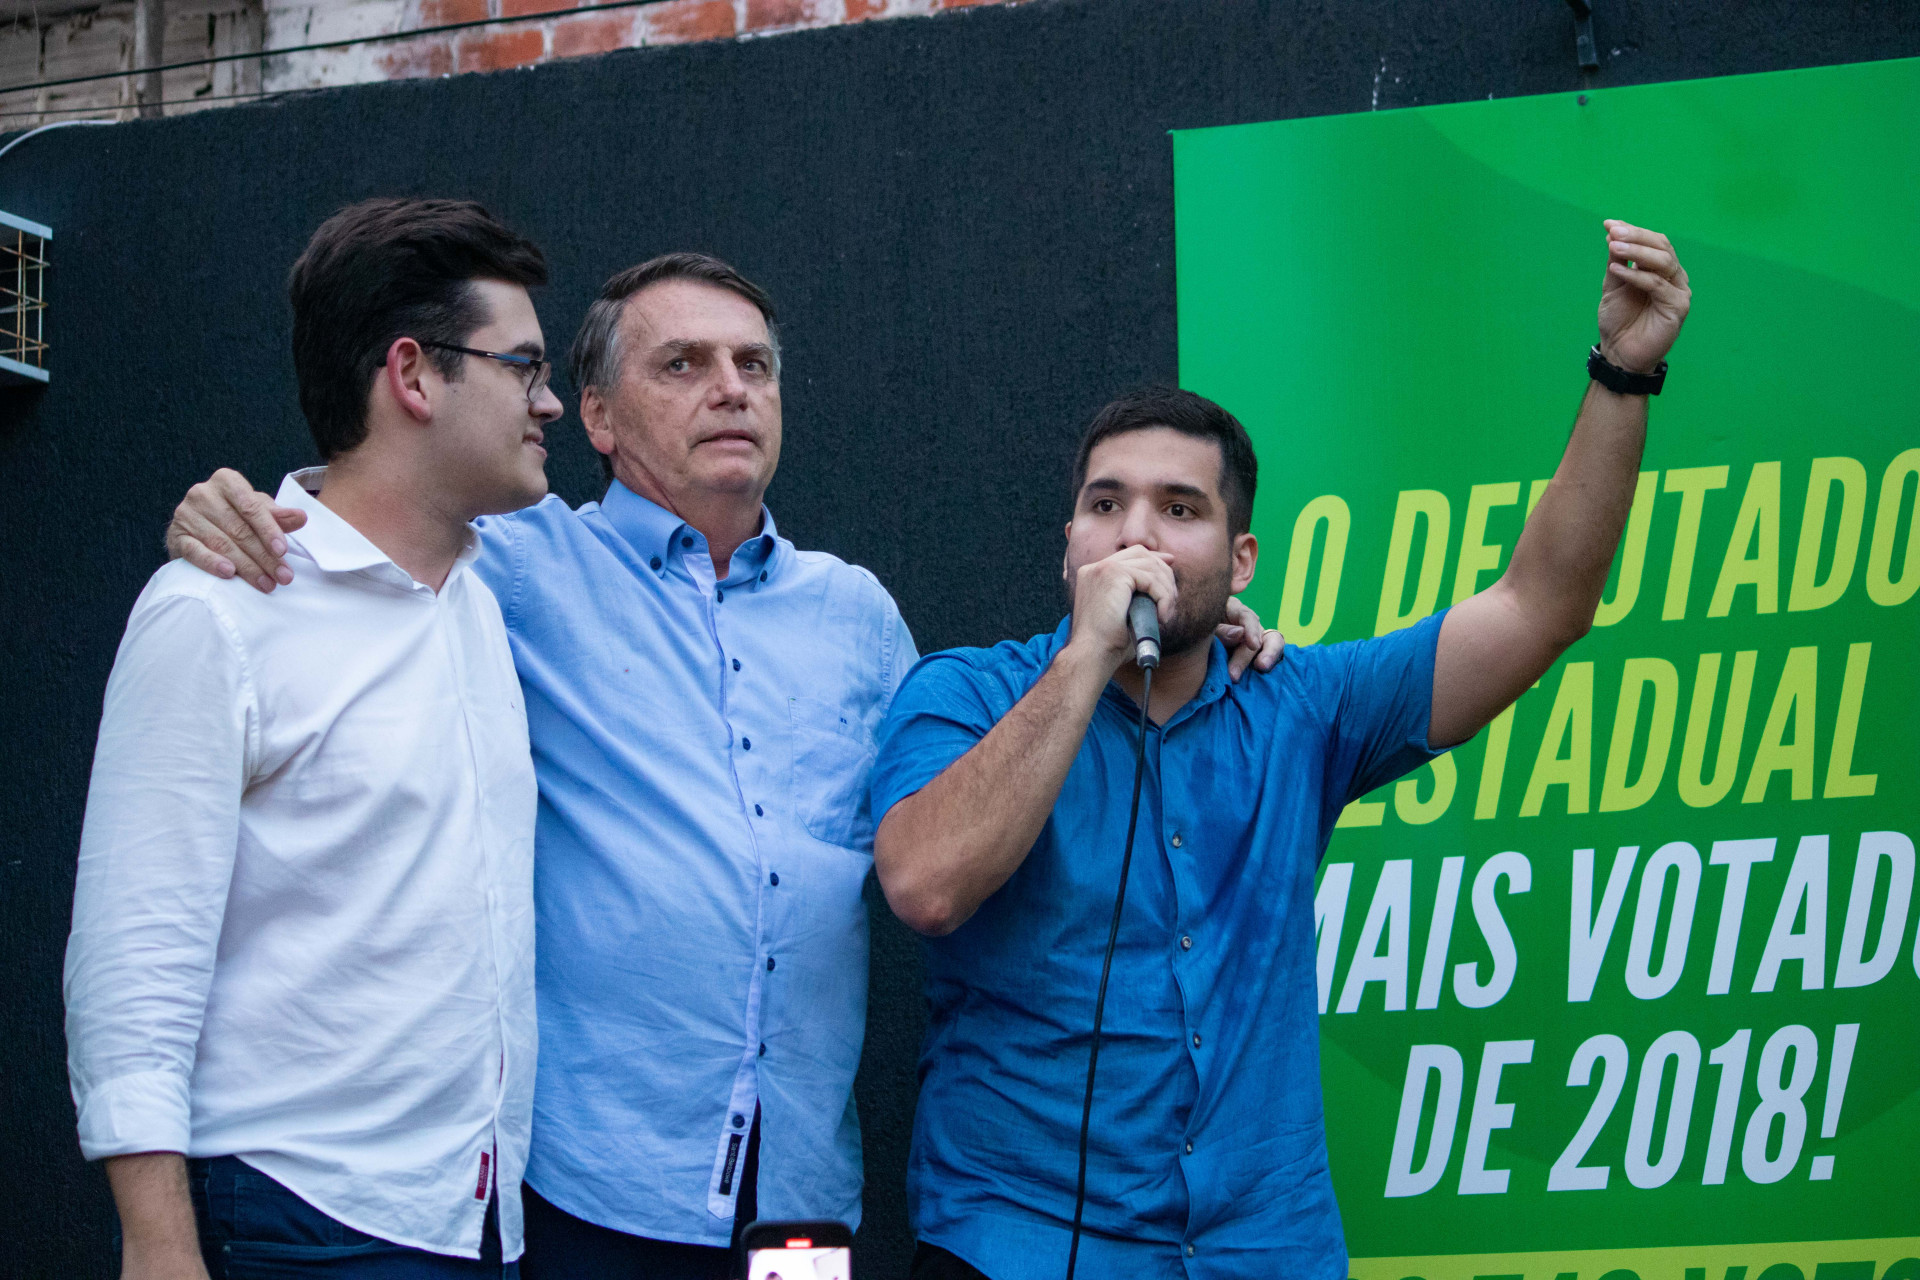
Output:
x=1383 y=700
x=943 y=707
x=156 y=858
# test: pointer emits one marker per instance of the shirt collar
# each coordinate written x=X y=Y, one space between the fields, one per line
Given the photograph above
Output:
x=659 y=535
x=335 y=545
x=1214 y=687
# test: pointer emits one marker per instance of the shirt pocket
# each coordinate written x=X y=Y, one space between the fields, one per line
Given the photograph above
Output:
x=832 y=758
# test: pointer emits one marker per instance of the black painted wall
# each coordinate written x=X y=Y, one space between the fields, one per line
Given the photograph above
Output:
x=967 y=221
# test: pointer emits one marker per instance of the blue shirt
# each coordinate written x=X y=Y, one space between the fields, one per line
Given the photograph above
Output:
x=1208 y=1154
x=702 y=750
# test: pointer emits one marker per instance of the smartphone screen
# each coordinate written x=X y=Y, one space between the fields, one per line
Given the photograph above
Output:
x=794 y=1249
x=798 y=1259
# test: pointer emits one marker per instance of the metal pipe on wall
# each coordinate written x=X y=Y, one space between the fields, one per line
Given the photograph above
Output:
x=149 y=41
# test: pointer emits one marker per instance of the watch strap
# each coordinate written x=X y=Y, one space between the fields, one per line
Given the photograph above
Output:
x=1624 y=382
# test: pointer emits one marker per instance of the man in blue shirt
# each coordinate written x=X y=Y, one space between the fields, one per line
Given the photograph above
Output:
x=1004 y=779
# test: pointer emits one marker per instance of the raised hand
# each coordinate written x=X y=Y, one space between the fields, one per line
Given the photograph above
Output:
x=226 y=528
x=1644 y=299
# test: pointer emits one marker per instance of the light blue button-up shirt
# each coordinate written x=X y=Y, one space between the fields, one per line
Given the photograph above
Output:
x=703 y=751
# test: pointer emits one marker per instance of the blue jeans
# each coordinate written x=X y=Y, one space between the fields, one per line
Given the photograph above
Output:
x=252 y=1228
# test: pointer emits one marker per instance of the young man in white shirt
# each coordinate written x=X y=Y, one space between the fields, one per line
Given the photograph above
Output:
x=300 y=980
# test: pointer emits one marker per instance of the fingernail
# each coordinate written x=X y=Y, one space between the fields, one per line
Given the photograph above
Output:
x=265 y=584
x=224 y=568
x=283 y=575
x=279 y=546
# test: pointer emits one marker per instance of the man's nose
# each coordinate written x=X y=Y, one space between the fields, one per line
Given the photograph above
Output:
x=1137 y=530
x=730 y=387
x=546 y=406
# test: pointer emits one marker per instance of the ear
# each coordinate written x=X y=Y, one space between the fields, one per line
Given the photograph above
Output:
x=410 y=379
x=1246 y=556
x=593 y=416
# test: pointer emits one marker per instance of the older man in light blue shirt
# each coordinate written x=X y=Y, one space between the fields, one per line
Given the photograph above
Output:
x=702 y=745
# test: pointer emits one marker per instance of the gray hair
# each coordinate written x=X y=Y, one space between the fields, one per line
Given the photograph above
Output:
x=594 y=360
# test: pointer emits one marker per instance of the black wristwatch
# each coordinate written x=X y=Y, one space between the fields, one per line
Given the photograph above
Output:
x=1624 y=382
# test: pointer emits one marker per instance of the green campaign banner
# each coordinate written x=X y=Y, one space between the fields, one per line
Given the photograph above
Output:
x=1628 y=986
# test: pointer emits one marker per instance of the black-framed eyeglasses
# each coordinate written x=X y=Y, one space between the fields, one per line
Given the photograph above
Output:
x=536 y=372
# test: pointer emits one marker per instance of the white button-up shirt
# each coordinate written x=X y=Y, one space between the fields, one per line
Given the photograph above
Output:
x=303 y=927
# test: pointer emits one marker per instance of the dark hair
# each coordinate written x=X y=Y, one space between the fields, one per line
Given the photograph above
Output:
x=594 y=360
x=1190 y=415
x=387 y=269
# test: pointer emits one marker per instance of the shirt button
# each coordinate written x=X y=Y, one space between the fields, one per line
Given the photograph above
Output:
x=719 y=596
x=739 y=1122
x=746 y=744
x=763 y=1048
x=736 y=664
x=1186 y=942
x=1196 y=1035
x=1189 y=1251
x=1189 y=1148
x=774 y=879
x=769 y=964
x=1178 y=840
x=654 y=563
x=763 y=575
x=686 y=541
x=758 y=812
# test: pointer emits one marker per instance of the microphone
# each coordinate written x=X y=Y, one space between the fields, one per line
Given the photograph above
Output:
x=1143 y=620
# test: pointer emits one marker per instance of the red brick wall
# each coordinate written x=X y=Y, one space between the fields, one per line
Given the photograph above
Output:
x=588 y=31
x=91 y=42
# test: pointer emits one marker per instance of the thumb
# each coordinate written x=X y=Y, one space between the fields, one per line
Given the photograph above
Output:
x=290 y=518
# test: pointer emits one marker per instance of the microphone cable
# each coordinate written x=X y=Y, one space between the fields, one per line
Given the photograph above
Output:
x=1106 y=965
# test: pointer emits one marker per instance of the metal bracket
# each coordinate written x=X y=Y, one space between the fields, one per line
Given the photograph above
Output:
x=1583 y=34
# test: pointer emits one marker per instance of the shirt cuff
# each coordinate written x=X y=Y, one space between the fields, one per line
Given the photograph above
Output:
x=128 y=1115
